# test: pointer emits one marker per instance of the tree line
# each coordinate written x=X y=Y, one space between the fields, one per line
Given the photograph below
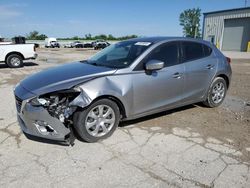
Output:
x=35 y=35
x=101 y=36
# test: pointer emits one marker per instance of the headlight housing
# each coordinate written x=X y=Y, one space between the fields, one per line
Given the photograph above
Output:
x=38 y=102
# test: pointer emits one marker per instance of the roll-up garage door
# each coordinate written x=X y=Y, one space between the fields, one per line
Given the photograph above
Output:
x=236 y=34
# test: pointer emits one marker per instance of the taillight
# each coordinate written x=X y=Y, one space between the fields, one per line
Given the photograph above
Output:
x=228 y=59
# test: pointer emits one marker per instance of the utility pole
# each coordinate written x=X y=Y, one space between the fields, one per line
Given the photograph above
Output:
x=195 y=32
x=245 y=3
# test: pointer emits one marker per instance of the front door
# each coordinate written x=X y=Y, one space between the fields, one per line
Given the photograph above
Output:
x=158 y=89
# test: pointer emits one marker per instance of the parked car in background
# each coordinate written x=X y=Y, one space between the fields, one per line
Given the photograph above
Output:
x=101 y=45
x=51 y=43
x=14 y=54
x=97 y=41
x=54 y=44
x=77 y=44
x=126 y=80
x=69 y=45
x=87 y=45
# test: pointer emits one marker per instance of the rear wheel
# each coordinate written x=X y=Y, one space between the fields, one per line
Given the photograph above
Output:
x=217 y=93
x=98 y=121
x=14 y=61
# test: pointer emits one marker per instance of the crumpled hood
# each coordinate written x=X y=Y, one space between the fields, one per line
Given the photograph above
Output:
x=63 y=77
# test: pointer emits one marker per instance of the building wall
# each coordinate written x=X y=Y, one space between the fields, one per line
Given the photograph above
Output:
x=214 y=24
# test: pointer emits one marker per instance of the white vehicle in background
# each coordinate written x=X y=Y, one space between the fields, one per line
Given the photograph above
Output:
x=69 y=45
x=2 y=41
x=51 y=43
x=101 y=45
x=14 y=54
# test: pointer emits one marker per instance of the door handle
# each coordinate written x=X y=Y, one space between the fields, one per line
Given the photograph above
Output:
x=177 y=75
x=210 y=66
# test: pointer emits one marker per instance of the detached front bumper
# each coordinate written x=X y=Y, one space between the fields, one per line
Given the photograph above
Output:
x=37 y=121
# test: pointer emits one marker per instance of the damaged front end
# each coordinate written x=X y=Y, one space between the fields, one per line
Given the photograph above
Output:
x=57 y=104
x=50 y=115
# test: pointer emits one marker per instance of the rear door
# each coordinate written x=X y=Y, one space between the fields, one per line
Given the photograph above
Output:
x=200 y=68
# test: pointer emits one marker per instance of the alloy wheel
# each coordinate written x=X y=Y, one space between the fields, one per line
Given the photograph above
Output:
x=218 y=92
x=15 y=61
x=100 y=120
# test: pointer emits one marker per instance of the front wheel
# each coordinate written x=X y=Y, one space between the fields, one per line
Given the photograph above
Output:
x=217 y=93
x=98 y=121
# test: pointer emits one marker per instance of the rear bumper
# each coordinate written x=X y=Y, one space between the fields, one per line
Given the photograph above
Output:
x=33 y=57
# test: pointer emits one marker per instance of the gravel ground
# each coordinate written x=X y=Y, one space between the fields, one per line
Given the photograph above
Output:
x=192 y=146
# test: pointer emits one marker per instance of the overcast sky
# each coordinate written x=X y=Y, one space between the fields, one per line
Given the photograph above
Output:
x=61 y=18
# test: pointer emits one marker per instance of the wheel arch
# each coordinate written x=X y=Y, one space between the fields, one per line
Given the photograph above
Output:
x=225 y=77
x=117 y=101
x=12 y=53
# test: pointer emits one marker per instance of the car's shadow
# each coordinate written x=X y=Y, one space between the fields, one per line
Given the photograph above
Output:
x=25 y=64
x=146 y=118
x=47 y=141
x=157 y=115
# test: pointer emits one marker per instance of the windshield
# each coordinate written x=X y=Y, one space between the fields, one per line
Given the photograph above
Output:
x=119 y=55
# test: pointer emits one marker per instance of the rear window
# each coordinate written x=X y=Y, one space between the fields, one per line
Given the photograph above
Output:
x=194 y=50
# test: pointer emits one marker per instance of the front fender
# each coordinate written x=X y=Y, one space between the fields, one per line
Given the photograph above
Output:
x=119 y=87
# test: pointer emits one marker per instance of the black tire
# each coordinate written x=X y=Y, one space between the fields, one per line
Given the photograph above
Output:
x=80 y=117
x=14 y=61
x=209 y=101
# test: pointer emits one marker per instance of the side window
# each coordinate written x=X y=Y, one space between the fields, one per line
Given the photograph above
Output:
x=207 y=50
x=192 y=51
x=168 y=53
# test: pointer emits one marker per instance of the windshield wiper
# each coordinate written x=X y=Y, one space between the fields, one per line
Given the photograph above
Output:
x=96 y=64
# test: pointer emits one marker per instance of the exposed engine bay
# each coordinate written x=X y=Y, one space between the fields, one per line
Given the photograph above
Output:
x=57 y=104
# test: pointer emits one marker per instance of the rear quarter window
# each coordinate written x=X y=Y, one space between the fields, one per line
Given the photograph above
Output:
x=207 y=50
x=194 y=50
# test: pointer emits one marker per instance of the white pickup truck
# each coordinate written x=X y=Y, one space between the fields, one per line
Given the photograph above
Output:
x=14 y=54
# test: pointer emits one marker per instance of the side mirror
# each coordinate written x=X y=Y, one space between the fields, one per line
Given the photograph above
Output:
x=154 y=65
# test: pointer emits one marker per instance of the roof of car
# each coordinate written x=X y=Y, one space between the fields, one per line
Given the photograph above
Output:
x=162 y=38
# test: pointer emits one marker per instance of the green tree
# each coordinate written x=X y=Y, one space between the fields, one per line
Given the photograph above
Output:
x=190 y=21
x=127 y=37
x=41 y=37
x=75 y=38
x=101 y=36
x=88 y=36
x=110 y=37
x=34 y=35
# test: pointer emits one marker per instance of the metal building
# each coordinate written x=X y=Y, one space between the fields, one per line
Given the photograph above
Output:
x=229 y=30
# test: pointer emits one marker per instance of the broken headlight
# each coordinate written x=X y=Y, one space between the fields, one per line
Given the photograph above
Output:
x=57 y=103
x=38 y=101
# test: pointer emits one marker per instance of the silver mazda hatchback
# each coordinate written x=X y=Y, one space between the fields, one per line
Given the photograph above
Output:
x=127 y=80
